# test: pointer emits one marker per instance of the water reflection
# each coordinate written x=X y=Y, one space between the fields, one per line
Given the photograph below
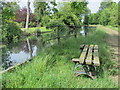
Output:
x=84 y=31
x=15 y=53
x=87 y=30
x=18 y=52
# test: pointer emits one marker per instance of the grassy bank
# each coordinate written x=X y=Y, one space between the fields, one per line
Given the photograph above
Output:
x=52 y=68
x=113 y=28
x=1 y=46
x=34 y=29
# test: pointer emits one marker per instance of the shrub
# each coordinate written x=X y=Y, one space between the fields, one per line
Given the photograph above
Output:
x=22 y=24
x=71 y=20
x=57 y=24
x=45 y=20
x=10 y=31
x=32 y=24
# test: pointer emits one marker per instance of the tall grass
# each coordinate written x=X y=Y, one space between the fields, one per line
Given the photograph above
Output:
x=52 y=68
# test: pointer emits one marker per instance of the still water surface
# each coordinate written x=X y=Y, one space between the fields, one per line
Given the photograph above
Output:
x=15 y=53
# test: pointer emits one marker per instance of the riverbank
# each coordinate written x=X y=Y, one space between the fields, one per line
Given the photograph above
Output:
x=52 y=68
x=1 y=46
x=113 y=44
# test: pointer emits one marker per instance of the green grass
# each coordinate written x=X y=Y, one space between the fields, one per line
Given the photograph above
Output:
x=1 y=46
x=52 y=68
x=34 y=29
x=113 y=28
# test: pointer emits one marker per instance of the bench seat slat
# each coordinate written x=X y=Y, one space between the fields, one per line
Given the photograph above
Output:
x=83 y=55
x=89 y=56
x=96 y=58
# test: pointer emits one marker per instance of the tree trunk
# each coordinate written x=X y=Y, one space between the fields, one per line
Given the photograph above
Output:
x=28 y=14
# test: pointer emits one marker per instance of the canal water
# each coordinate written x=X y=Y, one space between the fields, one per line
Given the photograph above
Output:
x=16 y=53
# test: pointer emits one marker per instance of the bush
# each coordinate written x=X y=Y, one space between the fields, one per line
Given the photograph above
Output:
x=56 y=24
x=32 y=24
x=22 y=24
x=10 y=31
x=71 y=20
x=45 y=20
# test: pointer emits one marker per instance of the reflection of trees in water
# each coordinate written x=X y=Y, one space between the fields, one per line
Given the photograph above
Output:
x=15 y=48
x=21 y=46
x=5 y=58
x=24 y=45
x=29 y=48
x=40 y=43
x=86 y=30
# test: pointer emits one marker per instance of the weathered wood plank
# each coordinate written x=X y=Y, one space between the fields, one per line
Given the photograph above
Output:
x=96 y=57
x=83 y=55
x=75 y=60
x=89 y=55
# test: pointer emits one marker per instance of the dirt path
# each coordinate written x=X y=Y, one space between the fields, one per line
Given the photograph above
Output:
x=113 y=42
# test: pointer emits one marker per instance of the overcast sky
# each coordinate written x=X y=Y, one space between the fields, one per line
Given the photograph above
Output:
x=93 y=4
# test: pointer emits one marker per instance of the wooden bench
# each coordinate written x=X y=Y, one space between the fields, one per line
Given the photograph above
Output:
x=88 y=63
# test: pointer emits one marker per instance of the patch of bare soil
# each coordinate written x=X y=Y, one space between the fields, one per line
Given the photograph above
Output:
x=113 y=42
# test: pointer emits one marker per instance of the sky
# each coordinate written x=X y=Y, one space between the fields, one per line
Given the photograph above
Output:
x=93 y=5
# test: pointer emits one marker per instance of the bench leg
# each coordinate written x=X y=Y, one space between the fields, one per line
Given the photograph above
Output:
x=80 y=69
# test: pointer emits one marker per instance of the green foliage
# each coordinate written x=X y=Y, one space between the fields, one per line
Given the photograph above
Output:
x=105 y=4
x=107 y=14
x=31 y=24
x=114 y=15
x=8 y=10
x=53 y=67
x=57 y=25
x=7 y=13
x=79 y=7
x=35 y=29
x=40 y=9
x=113 y=28
x=22 y=24
x=67 y=15
x=71 y=20
x=93 y=18
x=10 y=31
x=45 y=20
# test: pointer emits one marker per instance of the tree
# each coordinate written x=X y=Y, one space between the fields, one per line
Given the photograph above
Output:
x=86 y=16
x=105 y=4
x=54 y=9
x=79 y=7
x=44 y=10
x=28 y=14
x=94 y=18
x=10 y=29
x=67 y=15
x=20 y=17
x=114 y=15
x=107 y=14
x=40 y=10
x=8 y=10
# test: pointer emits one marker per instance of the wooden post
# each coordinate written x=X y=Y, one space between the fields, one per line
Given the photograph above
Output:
x=68 y=33
x=38 y=33
x=58 y=35
x=75 y=32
